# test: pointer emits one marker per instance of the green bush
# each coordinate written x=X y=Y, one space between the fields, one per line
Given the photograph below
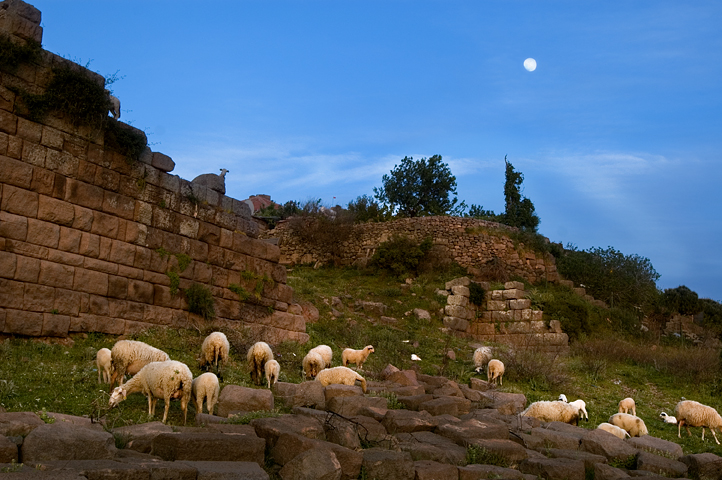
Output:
x=681 y=300
x=476 y=293
x=200 y=301
x=400 y=255
x=13 y=54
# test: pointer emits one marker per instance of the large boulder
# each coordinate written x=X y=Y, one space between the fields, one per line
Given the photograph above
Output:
x=16 y=424
x=657 y=446
x=290 y=445
x=234 y=398
x=350 y=406
x=505 y=403
x=8 y=450
x=553 y=468
x=447 y=405
x=405 y=421
x=430 y=446
x=140 y=437
x=430 y=470
x=511 y=451
x=483 y=472
x=660 y=465
x=703 y=465
x=382 y=464
x=604 y=443
x=470 y=429
x=272 y=428
x=312 y=465
x=66 y=441
x=556 y=439
x=225 y=470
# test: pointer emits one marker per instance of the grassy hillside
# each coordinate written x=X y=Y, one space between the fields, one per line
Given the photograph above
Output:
x=601 y=369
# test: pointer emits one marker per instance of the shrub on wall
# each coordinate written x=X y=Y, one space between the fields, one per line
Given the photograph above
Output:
x=400 y=255
x=200 y=301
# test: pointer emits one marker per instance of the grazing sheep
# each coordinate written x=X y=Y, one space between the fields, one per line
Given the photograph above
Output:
x=257 y=357
x=581 y=404
x=614 y=430
x=214 y=352
x=103 y=361
x=667 y=419
x=358 y=357
x=494 y=370
x=130 y=356
x=627 y=405
x=631 y=423
x=340 y=376
x=166 y=380
x=312 y=364
x=272 y=369
x=553 y=411
x=481 y=358
x=693 y=414
x=205 y=387
x=325 y=352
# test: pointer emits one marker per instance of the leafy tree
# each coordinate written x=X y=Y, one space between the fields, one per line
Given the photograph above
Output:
x=366 y=209
x=419 y=188
x=621 y=280
x=520 y=211
x=477 y=211
x=400 y=255
x=286 y=210
x=681 y=300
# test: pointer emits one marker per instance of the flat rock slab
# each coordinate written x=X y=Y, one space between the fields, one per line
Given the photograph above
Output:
x=556 y=439
x=290 y=445
x=604 y=443
x=704 y=465
x=228 y=470
x=660 y=465
x=381 y=464
x=272 y=427
x=209 y=446
x=430 y=446
x=554 y=468
x=511 y=451
x=65 y=441
x=14 y=424
x=312 y=465
x=657 y=446
x=466 y=430
x=140 y=437
x=405 y=421
x=350 y=406
x=484 y=472
x=430 y=470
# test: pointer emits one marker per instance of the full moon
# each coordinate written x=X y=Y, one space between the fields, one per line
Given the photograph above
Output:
x=530 y=64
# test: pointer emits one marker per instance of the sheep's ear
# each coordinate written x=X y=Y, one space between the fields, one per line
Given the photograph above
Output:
x=124 y=392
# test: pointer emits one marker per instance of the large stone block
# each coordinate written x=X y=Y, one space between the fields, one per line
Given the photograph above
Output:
x=21 y=322
x=457 y=300
x=8 y=264
x=456 y=323
x=66 y=441
x=520 y=304
x=13 y=226
x=56 y=274
x=83 y=194
x=19 y=201
x=55 y=325
x=496 y=305
x=208 y=446
x=55 y=211
x=43 y=233
x=90 y=281
x=234 y=398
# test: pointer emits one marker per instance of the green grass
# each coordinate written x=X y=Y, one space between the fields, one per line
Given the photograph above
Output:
x=600 y=369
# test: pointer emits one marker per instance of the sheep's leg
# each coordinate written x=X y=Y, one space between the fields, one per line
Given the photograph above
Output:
x=184 y=408
x=714 y=435
x=703 y=433
x=501 y=380
x=679 y=428
x=167 y=406
x=150 y=405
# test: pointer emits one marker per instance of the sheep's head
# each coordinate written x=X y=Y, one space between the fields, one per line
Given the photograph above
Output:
x=369 y=348
x=223 y=172
x=562 y=398
x=119 y=394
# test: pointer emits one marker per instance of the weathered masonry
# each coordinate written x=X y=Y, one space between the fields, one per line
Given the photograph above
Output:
x=93 y=239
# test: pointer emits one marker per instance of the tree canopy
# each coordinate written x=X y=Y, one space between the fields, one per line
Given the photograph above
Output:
x=520 y=210
x=416 y=188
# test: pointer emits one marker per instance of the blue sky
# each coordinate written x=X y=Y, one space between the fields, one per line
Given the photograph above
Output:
x=618 y=131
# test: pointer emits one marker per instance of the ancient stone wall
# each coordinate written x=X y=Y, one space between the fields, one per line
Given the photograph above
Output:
x=470 y=242
x=91 y=240
x=504 y=317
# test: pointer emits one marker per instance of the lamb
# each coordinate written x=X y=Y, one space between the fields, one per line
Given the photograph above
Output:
x=258 y=355
x=581 y=404
x=626 y=405
x=103 y=361
x=691 y=413
x=325 y=352
x=214 y=351
x=494 y=370
x=614 y=430
x=166 y=380
x=481 y=358
x=668 y=419
x=205 y=387
x=340 y=376
x=130 y=356
x=553 y=411
x=312 y=364
x=273 y=370
x=631 y=423
x=358 y=357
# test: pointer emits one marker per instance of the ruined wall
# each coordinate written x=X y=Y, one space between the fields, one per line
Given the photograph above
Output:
x=91 y=240
x=469 y=242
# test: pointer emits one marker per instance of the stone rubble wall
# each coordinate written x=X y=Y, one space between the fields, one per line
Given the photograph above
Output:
x=505 y=317
x=88 y=237
x=469 y=242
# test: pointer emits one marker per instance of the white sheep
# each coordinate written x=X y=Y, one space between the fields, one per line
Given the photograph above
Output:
x=626 y=405
x=494 y=371
x=166 y=380
x=581 y=404
x=553 y=411
x=257 y=356
x=325 y=352
x=206 y=387
x=667 y=418
x=358 y=357
x=614 y=430
x=214 y=352
x=693 y=414
x=103 y=361
x=312 y=364
x=273 y=370
x=631 y=423
x=481 y=358
x=341 y=376
x=130 y=356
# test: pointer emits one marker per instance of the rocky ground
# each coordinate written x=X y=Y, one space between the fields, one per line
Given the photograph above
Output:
x=444 y=431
